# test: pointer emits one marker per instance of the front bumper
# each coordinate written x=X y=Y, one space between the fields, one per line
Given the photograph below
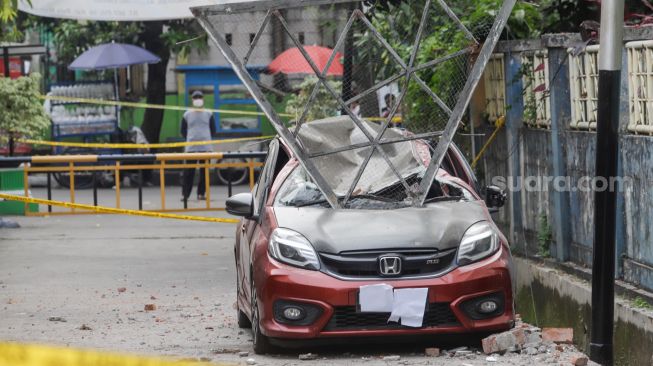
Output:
x=276 y=281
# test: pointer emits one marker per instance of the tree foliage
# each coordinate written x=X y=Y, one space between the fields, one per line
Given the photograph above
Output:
x=72 y=37
x=397 y=22
x=9 y=31
x=21 y=112
x=323 y=106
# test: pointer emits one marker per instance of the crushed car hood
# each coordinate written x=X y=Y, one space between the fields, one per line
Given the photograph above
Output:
x=339 y=169
x=437 y=225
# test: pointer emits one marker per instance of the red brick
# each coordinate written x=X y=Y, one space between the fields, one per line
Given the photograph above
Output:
x=520 y=336
x=558 y=335
x=432 y=352
x=489 y=344
x=150 y=307
x=580 y=360
x=512 y=339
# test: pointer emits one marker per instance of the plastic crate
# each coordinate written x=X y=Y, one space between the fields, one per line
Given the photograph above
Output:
x=14 y=207
x=11 y=179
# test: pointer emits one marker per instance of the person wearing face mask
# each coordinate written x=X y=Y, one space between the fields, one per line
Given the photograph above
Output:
x=196 y=125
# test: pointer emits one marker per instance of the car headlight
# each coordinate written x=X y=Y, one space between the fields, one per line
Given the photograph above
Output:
x=480 y=241
x=293 y=248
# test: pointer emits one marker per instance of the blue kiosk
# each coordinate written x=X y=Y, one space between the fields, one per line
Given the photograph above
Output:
x=228 y=93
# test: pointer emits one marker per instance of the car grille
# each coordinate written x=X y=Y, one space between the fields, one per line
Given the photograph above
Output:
x=346 y=318
x=365 y=264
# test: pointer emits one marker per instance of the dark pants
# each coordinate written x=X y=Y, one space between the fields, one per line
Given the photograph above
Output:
x=189 y=177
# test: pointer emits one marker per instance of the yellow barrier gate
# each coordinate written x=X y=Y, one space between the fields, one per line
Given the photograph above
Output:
x=117 y=164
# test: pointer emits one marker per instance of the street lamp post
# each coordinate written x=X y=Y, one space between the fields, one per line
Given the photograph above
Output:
x=605 y=198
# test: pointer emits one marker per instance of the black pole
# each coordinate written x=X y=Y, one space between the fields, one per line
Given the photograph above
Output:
x=140 y=189
x=5 y=55
x=11 y=144
x=605 y=195
x=94 y=188
x=49 y=190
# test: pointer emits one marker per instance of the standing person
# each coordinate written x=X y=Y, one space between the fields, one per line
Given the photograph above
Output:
x=197 y=125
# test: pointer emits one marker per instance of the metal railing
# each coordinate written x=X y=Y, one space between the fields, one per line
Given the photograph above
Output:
x=117 y=164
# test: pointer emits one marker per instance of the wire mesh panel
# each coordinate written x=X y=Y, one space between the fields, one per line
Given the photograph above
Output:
x=396 y=74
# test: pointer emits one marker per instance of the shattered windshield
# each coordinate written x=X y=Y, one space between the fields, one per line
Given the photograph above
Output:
x=298 y=190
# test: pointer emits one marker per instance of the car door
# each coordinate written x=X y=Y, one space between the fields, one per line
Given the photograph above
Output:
x=249 y=231
x=461 y=167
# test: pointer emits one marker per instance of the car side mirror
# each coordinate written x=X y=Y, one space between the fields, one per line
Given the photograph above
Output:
x=495 y=198
x=241 y=204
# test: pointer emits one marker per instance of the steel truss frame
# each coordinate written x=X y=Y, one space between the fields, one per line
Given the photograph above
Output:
x=407 y=71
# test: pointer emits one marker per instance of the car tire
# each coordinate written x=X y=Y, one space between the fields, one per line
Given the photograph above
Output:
x=243 y=320
x=260 y=341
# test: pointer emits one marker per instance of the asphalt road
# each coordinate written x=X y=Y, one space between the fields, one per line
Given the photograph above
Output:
x=84 y=281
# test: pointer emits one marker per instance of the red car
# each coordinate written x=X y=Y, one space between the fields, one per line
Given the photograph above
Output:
x=303 y=267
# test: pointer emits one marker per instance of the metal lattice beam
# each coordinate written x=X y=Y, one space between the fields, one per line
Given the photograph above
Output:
x=407 y=72
x=466 y=95
x=269 y=111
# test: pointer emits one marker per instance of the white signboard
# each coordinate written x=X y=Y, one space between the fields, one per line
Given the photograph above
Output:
x=114 y=10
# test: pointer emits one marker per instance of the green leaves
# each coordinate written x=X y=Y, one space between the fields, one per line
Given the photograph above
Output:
x=21 y=112
x=323 y=106
x=8 y=10
x=73 y=37
x=9 y=32
x=398 y=24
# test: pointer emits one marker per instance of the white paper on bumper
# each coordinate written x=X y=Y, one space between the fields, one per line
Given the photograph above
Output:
x=409 y=306
x=406 y=306
x=376 y=298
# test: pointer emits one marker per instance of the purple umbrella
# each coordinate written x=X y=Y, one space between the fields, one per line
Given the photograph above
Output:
x=111 y=56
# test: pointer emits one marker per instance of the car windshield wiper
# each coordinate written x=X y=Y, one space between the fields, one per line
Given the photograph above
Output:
x=309 y=203
x=444 y=199
x=375 y=197
x=364 y=196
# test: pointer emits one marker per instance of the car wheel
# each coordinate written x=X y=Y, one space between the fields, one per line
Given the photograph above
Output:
x=260 y=341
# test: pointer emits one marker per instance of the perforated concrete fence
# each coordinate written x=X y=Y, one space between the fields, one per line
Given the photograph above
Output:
x=584 y=87
x=495 y=87
x=640 y=86
x=537 y=101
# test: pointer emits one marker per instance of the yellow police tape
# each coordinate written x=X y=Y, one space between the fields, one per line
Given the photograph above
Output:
x=111 y=210
x=99 y=145
x=500 y=122
x=396 y=119
x=13 y=354
x=152 y=106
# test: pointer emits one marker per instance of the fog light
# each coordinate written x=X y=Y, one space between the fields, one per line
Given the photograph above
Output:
x=293 y=313
x=487 y=307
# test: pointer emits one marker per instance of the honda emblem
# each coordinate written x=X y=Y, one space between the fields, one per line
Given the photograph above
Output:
x=390 y=266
